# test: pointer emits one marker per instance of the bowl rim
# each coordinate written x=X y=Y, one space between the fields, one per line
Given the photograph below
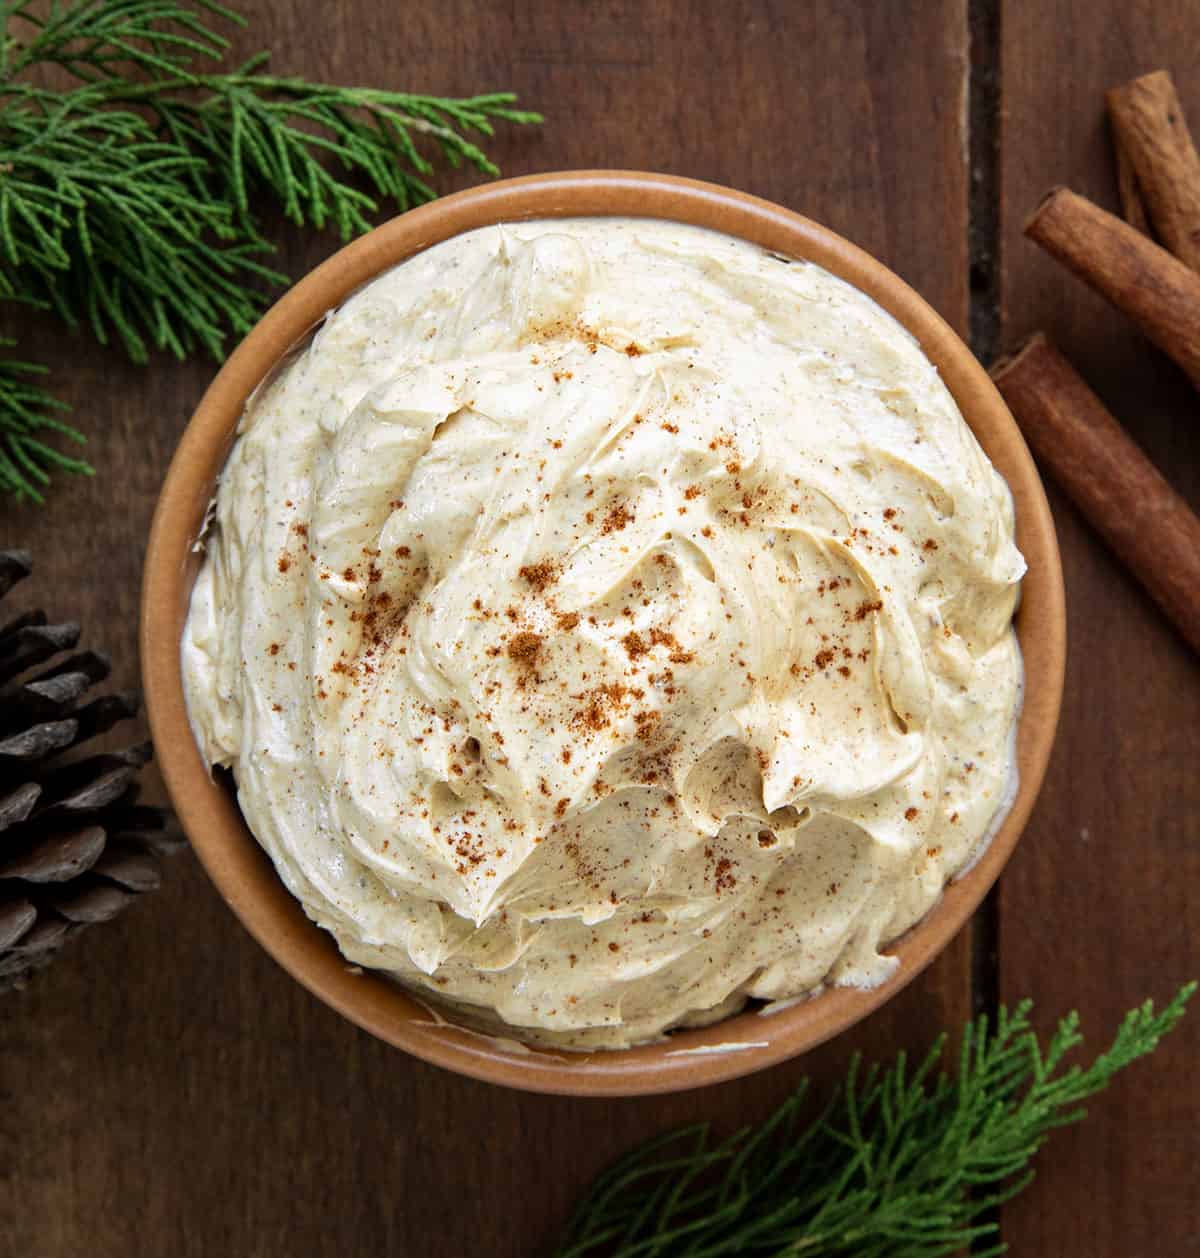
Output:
x=244 y=875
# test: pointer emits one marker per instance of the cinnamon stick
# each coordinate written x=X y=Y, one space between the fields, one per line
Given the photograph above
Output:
x=1139 y=277
x=1148 y=525
x=1133 y=208
x=1152 y=133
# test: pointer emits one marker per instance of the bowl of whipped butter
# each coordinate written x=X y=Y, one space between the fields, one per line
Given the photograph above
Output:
x=603 y=633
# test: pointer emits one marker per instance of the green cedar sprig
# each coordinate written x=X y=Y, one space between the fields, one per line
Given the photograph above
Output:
x=25 y=409
x=900 y=1165
x=127 y=201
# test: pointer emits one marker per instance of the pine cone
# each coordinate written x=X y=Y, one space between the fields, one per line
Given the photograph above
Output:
x=75 y=846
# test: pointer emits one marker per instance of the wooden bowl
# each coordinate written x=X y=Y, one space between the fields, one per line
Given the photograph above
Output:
x=241 y=870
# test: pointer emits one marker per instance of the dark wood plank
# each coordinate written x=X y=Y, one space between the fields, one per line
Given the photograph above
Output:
x=1094 y=910
x=165 y=1089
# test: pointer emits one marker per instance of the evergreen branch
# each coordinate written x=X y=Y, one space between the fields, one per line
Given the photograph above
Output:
x=264 y=134
x=899 y=1165
x=129 y=202
x=105 y=223
x=95 y=38
x=25 y=410
x=94 y=193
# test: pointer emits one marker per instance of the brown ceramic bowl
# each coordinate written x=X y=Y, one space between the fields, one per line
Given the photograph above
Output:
x=242 y=872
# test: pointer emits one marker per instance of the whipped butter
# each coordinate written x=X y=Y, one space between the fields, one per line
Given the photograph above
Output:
x=607 y=622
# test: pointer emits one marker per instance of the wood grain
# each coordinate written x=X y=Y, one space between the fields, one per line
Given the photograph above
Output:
x=165 y=1089
x=1094 y=909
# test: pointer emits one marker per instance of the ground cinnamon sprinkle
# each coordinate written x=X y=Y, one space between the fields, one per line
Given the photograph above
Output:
x=865 y=609
x=592 y=717
x=616 y=519
x=660 y=637
x=594 y=714
x=284 y=563
x=539 y=575
x=692 y=491
x=634 y=644
x=929 y=544
x=567 y=620
x=524 y=647
x=910 y=814
x=823 y=658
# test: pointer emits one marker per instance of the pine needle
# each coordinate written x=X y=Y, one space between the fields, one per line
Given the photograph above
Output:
x=900 y=1165
x=129 y=201
x=25 y=410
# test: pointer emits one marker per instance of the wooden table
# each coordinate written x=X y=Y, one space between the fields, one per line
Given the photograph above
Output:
x=166 y=1090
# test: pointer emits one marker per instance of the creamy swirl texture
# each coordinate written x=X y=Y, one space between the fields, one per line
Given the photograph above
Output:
x=607 y=622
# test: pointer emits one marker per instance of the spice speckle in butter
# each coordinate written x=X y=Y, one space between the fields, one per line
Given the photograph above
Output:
x=607 y=622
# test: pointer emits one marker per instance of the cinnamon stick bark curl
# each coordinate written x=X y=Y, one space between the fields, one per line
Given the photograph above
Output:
x=1127 y=500
x=1139 y=277
x=1152 y=135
